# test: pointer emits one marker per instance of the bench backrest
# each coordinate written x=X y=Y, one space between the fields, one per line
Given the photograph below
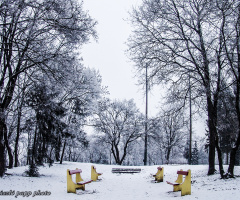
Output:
x=182 y=173
x=75 y=171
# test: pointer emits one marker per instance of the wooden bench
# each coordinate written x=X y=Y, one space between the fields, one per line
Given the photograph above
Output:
x=185 y=186
x=159 y=175
x=79 y=184
x=126 y=170
x=94 y=174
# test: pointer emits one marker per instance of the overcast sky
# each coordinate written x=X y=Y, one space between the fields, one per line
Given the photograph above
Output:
x=108 y=54
x=109 y=57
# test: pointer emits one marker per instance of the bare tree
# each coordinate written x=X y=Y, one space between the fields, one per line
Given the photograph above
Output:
x=168 y=132
x=118 y=124
x=176 y=38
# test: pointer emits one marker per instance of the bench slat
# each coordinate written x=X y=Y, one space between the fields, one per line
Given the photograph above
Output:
x=172 y=183
x=182 y=172
x=84 y=182
x=126 y=170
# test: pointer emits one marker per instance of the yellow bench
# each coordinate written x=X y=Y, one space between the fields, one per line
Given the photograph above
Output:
x=79 y=184
x=94 y=174
x=159 y=175
x=185 y=186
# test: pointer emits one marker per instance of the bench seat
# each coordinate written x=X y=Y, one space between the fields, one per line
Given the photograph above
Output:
x=84 y=182
x=172 y=183
x=126 y=170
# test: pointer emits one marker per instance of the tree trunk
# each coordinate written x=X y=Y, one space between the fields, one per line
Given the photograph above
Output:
x=168 y=154
x=2 y=155
x=2 y=146
x=233 y=156
x=10 y=156
x=220 y=159
x=69 y=154
x=124 y=153
x=213 y=142
x=9 y=150
x=116 y=154
x=17 y=138
x=232 y=162
x=63 y=151
x=34 y=148
x=57 y=149
x=211 y=126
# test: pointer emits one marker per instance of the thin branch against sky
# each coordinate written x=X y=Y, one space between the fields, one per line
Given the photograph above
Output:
x=108 y=54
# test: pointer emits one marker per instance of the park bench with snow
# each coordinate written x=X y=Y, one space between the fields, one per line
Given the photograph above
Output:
x=159 y=175
x=126 y=170
x=78 y=184
x=180 y=185
x=94 y=174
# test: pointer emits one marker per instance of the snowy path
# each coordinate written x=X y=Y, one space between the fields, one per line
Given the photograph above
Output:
x=125 y=186
x=139 y=186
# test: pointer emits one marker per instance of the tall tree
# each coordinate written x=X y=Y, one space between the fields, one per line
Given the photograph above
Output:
x=176 y=38
x=34 y=35
x=230 y=13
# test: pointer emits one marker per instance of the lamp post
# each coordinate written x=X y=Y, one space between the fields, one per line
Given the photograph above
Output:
x=190 y=116
x=146 y=121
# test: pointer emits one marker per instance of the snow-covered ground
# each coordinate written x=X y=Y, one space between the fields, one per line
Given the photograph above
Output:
x=140 y=186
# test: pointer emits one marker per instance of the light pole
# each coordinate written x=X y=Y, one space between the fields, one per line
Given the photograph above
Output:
x=146 y=121
x=190 y=116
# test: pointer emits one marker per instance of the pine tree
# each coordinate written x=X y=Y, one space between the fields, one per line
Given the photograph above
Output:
x=32 y=171
x=186 y=150
x=195 y=154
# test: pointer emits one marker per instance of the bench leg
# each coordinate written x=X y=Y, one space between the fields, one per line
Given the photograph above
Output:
x=177 y=188
x=186 y=190
x=158 y=178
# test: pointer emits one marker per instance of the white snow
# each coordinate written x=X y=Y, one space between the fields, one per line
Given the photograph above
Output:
x=139 y=186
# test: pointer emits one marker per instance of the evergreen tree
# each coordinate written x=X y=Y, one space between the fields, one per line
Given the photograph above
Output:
x=49 y=125
x=195 y=154
x=32 y=171
x=186 y=150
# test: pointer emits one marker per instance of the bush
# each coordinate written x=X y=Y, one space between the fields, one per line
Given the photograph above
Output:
x=32 y=171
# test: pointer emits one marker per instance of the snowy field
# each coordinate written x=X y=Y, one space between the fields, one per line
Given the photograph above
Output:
x=139 y=186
